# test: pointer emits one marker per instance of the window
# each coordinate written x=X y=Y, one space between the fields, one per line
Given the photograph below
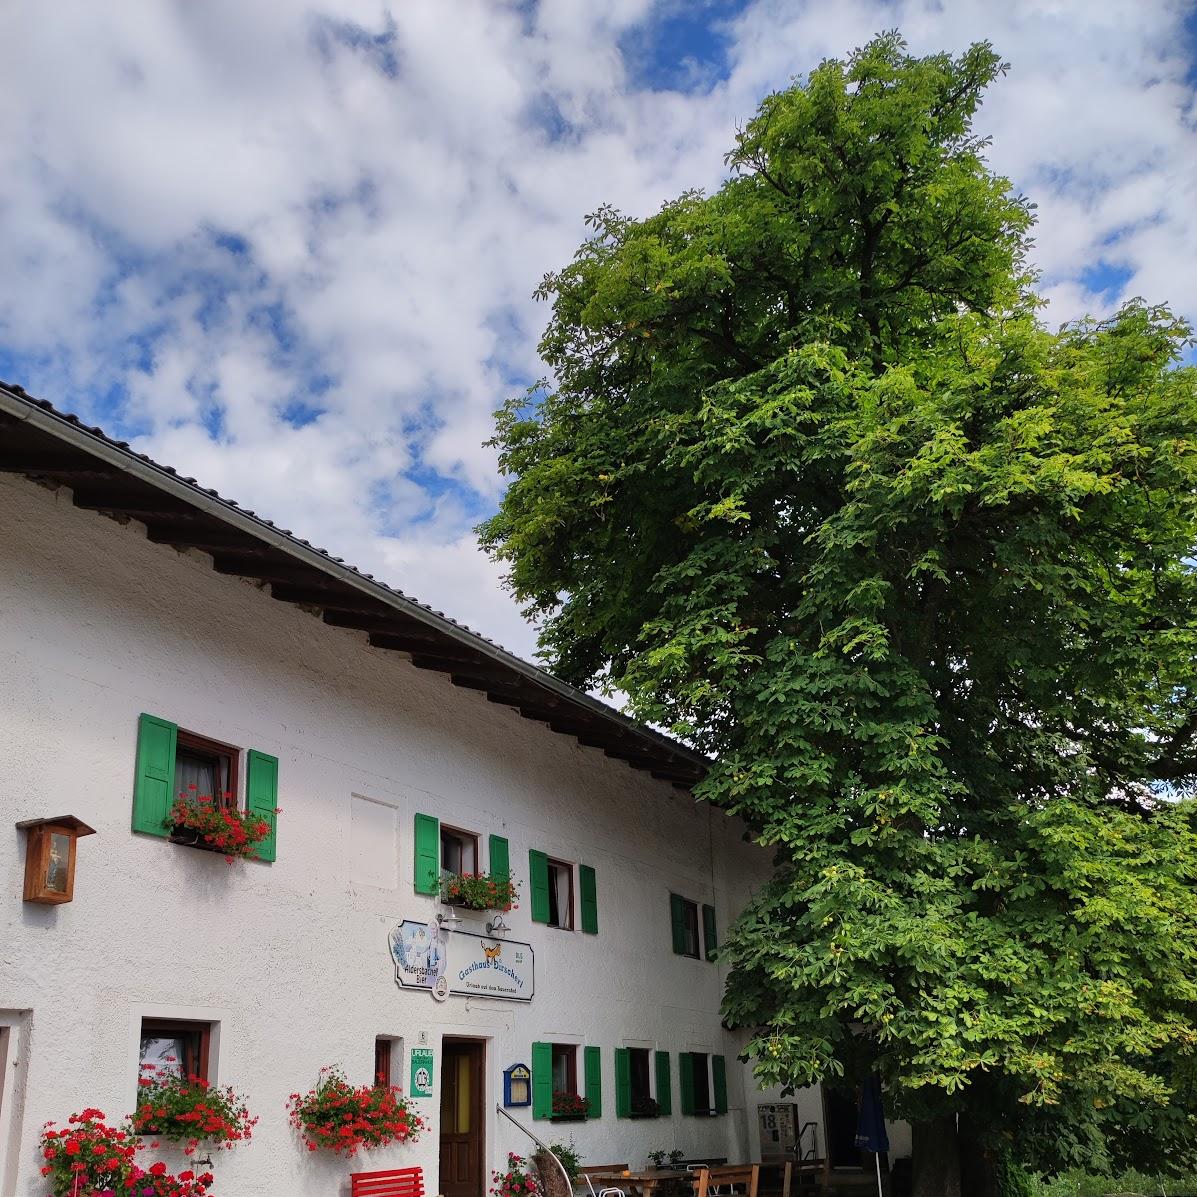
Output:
x=551 y=891
x=170 y=761
x=700 y=1064
x=14 y=1038
x=684 y=915
x=459 y=851
x=643 y=1105
x=176 y=1046
x=383 y=1059
x=561 y=894
x=563 y=1088
x=565 y=1068
x=206 y=768
x=704 y=1083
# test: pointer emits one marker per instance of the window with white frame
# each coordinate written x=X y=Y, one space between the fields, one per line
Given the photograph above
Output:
x=459 y=851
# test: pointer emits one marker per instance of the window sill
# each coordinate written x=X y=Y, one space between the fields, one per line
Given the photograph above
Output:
x=569 y=1117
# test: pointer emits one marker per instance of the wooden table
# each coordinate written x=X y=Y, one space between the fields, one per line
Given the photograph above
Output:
x=641 y=1182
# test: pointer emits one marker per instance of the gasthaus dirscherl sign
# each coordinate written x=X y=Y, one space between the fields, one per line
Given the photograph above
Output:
x=445 y=962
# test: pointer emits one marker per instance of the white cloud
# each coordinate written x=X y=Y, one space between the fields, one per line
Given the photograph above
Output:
x=227 y=209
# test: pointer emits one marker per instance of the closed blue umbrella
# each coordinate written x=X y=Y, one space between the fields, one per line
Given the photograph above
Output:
x=871 y=1134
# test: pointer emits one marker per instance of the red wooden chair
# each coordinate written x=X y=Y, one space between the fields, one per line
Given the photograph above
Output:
x=395 y=1182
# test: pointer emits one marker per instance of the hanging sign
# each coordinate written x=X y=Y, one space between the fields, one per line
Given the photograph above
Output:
x=459 y=962
x=421 y=1072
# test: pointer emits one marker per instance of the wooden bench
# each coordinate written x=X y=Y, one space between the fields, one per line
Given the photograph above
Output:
x=395 y=1182
x=748 y=1175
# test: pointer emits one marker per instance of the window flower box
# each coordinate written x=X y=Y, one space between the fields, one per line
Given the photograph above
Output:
x=188 y=1111
x=343 y=1118
x=569 y=1107
x=479 y=891
x=199 y=821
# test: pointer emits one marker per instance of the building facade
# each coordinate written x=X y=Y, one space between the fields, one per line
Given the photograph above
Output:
x=133 y=665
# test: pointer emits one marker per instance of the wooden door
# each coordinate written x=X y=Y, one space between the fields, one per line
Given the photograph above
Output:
x=461 y=1118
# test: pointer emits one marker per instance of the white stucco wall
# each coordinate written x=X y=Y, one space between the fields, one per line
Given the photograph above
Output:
x=98 y=625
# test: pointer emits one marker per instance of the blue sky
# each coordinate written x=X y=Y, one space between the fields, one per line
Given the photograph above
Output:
x=291 y=250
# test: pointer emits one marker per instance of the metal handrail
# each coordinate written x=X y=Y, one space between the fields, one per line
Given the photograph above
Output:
x=812 y=1153
x=569 y=1184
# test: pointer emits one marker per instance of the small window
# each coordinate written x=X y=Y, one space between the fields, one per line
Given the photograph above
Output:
x=561 y=894
x=176 y=1046
x=702 y=1082
x=639 y=1072
x=383 y=1061
x=459 y=851
x=685 y=926
x=206 y=769
x=565 y=1068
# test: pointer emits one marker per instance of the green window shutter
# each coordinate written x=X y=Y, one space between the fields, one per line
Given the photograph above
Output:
x=589 y=899
x=685 y=1067
x=538 y=885
x=623 y=1083
x=154 y=785
x=719 y=1071
x=261 y=796
x=428 y=855
x=664 y=1088
x=594 y=1082
x=500 y=858
x=677 y=915
x=708 y=931
x=542 y=1080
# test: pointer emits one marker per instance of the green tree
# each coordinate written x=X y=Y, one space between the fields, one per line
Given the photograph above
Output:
x=816 y=489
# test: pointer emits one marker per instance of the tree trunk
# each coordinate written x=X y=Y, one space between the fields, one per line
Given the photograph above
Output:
x=978 y=1162
x=935 y=1147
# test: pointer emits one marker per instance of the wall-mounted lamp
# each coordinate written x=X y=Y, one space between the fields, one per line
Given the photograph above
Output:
x=444 y=920
x=50 y=858
x=496 y=926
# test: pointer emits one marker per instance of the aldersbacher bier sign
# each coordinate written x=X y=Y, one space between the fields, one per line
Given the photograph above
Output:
x=445 y=962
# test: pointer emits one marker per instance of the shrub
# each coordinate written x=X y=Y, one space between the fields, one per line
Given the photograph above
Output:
x=517 y=1181
x=479 y=891
x=1127 y=1184
x=233 y=831
x=188 y=1110
x=339 y=1117
x=90 y=1157
x=570 y=1159
x=87 y=1155
x=569 y=1105
x=155 y=1181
